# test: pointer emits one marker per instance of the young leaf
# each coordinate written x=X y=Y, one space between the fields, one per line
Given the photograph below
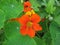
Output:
x=50 y=6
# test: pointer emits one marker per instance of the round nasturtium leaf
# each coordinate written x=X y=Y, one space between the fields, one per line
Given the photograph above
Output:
x=11 y=8
x=12 y=32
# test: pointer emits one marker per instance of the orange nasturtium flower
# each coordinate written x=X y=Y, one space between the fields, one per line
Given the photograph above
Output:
x=29 y=23
x=27 y=6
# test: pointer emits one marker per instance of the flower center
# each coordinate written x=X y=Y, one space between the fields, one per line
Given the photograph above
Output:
x=29 y=24
x=29 y=13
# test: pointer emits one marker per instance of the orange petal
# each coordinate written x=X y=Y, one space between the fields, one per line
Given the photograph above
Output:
x=23 y=30
x=31 y=32
x=37 y=27
x=35 y=18
x=27 y=9
x=24 y=19
x=27 y=4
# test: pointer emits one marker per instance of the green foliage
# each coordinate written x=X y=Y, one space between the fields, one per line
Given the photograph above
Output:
x=39 y=41
x=20 y=40
x=57 y=19
x=11 y=8
x=2 y=18
x=11 y=27
x=35 y=5
x=2 y=36
x=47 y=38
x=55 y=33
x=50 y=6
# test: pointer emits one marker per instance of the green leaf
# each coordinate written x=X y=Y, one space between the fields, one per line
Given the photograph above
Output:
x=55 y=33
x=50 y=6
x=39 y=41
x=57 y=11
x=44 y=26
x=46 y=33
x=57 y=19
x=57 y=2
x=47 y=38
x=35 y=5
x=11 y=8
x=11 y=28
x=2 y=18
x=12 y=32
x=20 y=40
x=42 y=14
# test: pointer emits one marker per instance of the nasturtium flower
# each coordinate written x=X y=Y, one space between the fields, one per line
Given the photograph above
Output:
x=29 y=21
x=27 y=6
x=29 y=24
